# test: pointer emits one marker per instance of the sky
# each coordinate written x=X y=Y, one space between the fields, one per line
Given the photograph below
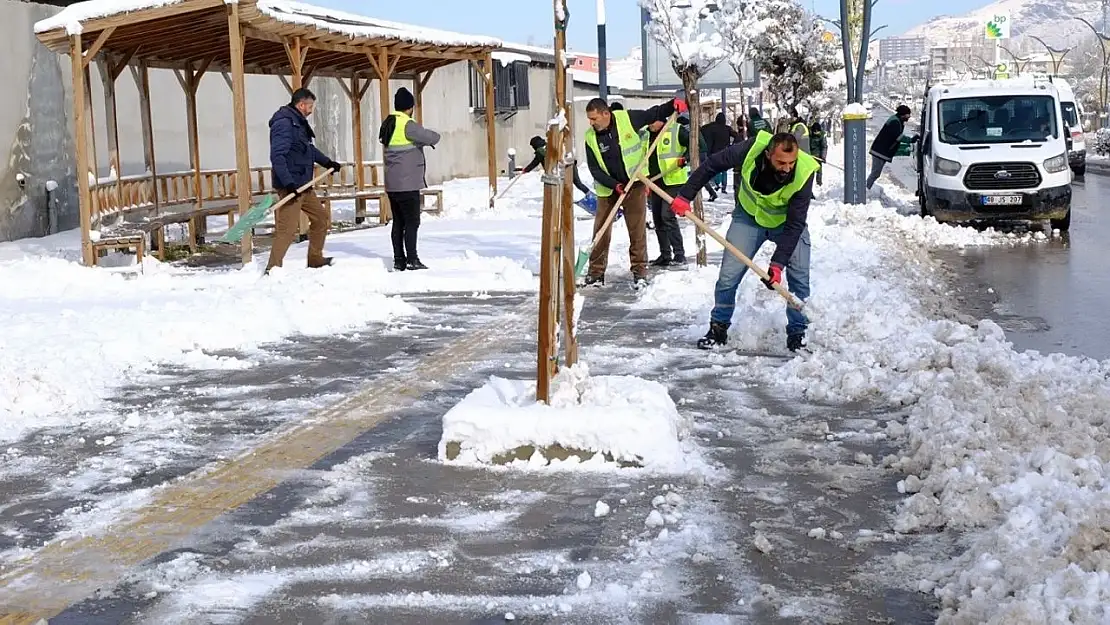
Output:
x=521 y=21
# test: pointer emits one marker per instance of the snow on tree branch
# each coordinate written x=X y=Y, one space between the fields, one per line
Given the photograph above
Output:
x=741 y=22
x=686 y=29
x=795 y=57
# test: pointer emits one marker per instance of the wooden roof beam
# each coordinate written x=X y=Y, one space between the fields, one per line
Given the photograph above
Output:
x=94 y=49
x=133 y=17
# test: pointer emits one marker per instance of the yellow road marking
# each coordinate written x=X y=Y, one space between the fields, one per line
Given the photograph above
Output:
x=66 y=571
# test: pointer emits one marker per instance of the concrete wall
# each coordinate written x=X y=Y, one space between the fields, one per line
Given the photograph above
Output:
x=36 y=125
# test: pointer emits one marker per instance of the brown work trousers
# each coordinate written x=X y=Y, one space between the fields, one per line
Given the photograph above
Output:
x=287 y=223
x=635 y=219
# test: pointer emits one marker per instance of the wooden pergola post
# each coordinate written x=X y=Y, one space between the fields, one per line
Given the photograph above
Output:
x=141 y=74
x=110 y=69
x=419 y=83
x=239 y=106
x=81 y=136
x=355 y=93
x=190 y=82
x=384 y=67
x=297 y=54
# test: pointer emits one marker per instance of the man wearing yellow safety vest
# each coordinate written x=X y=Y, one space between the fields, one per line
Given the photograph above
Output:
x=403 y=141
x=670 y=160
x=614 y=149
x=774 y=191
x=800 y=130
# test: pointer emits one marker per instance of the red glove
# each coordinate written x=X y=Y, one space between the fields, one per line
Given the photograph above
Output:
x=680 y=105
x=620 y=189
x=680 y=206
x=774 y=272
x=682 y=161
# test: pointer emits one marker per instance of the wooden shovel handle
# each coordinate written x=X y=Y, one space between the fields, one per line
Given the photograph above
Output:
x=792 y=301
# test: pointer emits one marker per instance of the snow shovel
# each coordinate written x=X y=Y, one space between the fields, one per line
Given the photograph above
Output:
x=584 y=252
x=791 y=301
x=259 y=211
x=509 y=186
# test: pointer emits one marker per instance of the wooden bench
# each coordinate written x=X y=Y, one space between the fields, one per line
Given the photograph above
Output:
x=196 y=220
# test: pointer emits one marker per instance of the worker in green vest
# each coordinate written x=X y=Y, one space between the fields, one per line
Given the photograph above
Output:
x=670 y=160
x=775 y=189
x=800 y=130
x=614 y=149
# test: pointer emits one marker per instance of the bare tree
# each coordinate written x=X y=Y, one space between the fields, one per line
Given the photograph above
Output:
x=686 y=28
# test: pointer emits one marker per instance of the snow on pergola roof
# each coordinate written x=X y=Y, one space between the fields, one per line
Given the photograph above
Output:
x=170 y=33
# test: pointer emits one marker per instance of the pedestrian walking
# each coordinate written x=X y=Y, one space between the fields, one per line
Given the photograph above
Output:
x=539 y=147
x=819 y=147
x=718 y=136
x=403 y=141
x=670 y=160
x=800 y=130
x=885 y=144
x=775 y=190
x=292 y=159
x=614 y=149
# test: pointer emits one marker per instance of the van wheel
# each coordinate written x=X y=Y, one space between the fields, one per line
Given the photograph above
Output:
x=1063 y=225
x=1080 y=170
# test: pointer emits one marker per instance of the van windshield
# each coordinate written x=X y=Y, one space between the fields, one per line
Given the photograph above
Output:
x=997 y=119
x=1071 y=117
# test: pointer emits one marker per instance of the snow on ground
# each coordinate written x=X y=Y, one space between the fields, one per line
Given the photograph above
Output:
x=1009 y=447
x=620 y=419
x=75 y=334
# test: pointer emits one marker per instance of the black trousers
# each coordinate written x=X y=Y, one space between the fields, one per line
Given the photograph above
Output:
x=406 y=220
x=666 y=225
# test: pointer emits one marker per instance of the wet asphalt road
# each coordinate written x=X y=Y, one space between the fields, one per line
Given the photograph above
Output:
x=1048 y=295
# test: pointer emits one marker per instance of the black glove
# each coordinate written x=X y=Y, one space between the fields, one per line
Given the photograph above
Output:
x=915 y=138
x=291 y=191
x=333 y=165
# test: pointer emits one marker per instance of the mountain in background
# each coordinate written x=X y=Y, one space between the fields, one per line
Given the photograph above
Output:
x=1051 y=20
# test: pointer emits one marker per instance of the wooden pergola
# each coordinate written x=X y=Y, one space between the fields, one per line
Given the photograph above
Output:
x=269 y=37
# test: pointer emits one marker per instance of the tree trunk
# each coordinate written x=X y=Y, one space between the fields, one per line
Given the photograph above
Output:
x=690 y=83
x=865 y=38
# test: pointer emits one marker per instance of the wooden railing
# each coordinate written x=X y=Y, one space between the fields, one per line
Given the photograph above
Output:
x=111 y=197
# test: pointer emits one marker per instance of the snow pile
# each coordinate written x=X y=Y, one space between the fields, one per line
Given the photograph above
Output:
x=855 y=108
x=1009 y=448
x=619 y=419
x=73 y=15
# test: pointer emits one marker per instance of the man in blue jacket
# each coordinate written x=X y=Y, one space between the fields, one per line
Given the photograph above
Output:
x=292 y=156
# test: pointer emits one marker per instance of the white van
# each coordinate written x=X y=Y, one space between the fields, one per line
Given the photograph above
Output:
x=1073 y=115
x=994 y=150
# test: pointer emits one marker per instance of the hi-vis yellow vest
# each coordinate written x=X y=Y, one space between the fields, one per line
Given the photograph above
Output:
x=669 y=152
x=769 y=211
x=398 y=138
x=631 y=144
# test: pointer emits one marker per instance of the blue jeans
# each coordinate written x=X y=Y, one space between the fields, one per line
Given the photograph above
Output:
x=748 y=237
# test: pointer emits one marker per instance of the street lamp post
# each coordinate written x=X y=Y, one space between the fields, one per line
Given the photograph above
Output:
x=1057 y=55
x=602 y=64
x=1020 y=64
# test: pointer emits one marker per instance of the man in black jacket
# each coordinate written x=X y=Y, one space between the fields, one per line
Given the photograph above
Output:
x=885 y=145
x=775 y=189
x=292 y=159
x=539 y=148
x=614 y=149
x=718 y=136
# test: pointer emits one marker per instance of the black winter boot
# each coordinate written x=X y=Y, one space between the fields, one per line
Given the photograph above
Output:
x=596 y=281
x=717 y=336
x=399 y=265
x=415 y=264
x=794 y=342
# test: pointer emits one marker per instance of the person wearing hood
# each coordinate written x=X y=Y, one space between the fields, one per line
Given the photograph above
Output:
x=539 y=148
x=819 y=147
x=774 y=192
x=292 y=156
x=718 y=136
x=403 y=141
x=756 y=123
x=885 y=144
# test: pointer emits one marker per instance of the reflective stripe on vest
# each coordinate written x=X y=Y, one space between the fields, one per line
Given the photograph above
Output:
x=769 y=211
x=631 y=144
x=669 y=152
x=398 y=141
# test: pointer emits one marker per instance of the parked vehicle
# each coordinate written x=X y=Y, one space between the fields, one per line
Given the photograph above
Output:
x=994 y=151
x=1072 y=112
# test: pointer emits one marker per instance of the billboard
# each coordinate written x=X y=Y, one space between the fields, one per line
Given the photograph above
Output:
x=660 y=76
x=998 y=26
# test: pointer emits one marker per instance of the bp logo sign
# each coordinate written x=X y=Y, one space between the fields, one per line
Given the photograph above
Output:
x=998 y=26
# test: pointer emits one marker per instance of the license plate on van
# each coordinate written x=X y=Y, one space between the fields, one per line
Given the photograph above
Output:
x=1002 y=200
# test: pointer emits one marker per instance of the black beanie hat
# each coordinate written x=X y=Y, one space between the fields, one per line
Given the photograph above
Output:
x=403 y=100
x=902 y=110
x=537 y=142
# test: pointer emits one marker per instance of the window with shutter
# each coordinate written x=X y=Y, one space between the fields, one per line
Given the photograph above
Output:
x=510 y=88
